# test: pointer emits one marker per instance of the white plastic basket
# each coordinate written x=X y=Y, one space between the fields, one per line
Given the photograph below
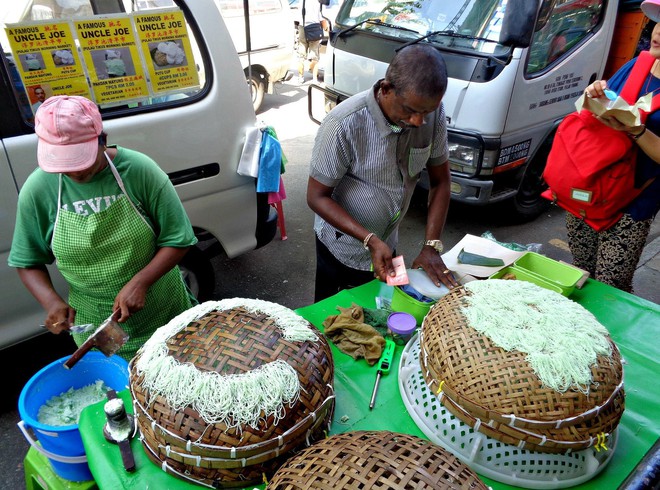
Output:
x=485 y=455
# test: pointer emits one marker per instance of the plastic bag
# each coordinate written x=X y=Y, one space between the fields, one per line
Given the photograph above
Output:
x=517 y=247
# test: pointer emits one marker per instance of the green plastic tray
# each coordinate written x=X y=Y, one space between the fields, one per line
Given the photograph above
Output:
x=524 y=275
x=552 y=271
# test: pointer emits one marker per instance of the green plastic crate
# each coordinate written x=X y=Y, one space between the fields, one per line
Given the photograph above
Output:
x=524 y=275
x=550 y=270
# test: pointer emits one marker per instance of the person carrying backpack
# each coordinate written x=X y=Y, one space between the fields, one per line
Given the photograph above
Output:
x=310 y=34
x=611 y=255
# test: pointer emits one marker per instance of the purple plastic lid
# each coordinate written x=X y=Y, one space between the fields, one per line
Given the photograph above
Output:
x=401 y=323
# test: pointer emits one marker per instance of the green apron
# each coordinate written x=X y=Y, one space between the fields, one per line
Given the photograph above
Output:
x=99 y=253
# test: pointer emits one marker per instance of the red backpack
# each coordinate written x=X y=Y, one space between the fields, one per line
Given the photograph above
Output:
x=590 y=169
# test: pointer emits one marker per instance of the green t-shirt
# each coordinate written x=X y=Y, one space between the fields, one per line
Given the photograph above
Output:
x=147 y=185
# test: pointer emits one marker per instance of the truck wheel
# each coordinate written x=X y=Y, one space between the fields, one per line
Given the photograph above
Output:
x=198 y=273
x=527 y=204
x=257 y=85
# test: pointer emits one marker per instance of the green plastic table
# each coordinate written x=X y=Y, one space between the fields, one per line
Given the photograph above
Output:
x=634 y=324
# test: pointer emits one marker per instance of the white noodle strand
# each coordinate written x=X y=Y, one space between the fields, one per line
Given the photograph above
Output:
x=234 y=400
x=561 y=338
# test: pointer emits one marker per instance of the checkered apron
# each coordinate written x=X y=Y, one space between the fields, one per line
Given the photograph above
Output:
x=99 y=253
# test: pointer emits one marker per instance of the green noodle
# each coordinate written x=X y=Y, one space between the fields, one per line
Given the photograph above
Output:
x=234 y=400
x=561 y=339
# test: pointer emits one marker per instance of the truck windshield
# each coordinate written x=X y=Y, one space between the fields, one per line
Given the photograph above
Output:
x=463 y=24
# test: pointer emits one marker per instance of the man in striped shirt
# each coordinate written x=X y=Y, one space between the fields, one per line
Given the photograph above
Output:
x=368 y=155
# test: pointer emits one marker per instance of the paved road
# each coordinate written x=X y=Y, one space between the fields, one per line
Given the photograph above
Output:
x=283 y=272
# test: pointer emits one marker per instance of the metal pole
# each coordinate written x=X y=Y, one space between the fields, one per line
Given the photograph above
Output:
x=248 y=41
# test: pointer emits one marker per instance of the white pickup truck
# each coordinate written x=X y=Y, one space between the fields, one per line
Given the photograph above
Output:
x=195 y=133
x=515 y=70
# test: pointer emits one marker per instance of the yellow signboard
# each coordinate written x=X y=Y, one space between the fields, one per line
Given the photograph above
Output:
x=47 y=60
x=110 y=59
x=167 y=50
x=111 y=55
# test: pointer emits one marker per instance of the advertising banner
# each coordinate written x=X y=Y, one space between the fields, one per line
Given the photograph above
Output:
x=112 y=58
x=167 y=50
x=46 y=58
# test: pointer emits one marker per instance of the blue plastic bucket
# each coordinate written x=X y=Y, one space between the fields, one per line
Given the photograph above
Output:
x=63 y=445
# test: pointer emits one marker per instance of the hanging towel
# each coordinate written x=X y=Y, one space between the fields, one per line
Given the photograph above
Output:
x=275 y=197
x=249 y=162
x=270 y=164
x=271 y=131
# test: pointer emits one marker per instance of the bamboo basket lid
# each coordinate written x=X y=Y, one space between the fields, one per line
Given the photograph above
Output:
x=235 y=341
x=374 y=460
x=499 y=392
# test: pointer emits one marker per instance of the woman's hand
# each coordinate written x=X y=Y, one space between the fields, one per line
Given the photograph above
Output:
x=130 y=299
x=60 y=316
x=133 y=295
x=614 y=123
x=596 y=89
x=633 y=131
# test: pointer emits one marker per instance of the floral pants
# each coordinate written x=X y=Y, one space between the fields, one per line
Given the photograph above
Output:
x=611 y=256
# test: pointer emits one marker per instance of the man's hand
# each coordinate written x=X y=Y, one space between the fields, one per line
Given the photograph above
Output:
x=381 y=258
x=429 y=260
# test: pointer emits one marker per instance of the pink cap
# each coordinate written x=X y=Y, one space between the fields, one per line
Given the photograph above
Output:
x=68 y=128
x=651 y=9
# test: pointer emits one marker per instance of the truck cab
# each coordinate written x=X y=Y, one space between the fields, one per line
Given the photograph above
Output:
x=515 y=69
x=191 y=116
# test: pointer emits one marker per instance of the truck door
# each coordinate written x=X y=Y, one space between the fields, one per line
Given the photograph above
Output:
x=515 y=69
x=568 y=52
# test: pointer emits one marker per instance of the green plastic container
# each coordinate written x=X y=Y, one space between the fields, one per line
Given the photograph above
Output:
x=524 y=275
x=403 y=302
x=552 y=271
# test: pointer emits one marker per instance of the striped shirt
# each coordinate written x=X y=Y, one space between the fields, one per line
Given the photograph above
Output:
x=373 y=167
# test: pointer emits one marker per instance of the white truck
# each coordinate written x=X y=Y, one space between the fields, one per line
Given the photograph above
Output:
x=515 y=70
x=195 y=130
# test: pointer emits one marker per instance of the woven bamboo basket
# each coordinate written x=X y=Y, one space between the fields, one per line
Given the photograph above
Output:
x=377 y=460
x=230 y=342
x=498 y=393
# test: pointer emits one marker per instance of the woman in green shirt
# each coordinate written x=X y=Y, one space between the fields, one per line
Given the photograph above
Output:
x=111 y=220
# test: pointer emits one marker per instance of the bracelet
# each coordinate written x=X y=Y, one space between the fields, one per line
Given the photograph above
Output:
x=365 y=242
x=638 y=135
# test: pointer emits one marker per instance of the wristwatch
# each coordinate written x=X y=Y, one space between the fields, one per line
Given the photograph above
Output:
x=437 y=244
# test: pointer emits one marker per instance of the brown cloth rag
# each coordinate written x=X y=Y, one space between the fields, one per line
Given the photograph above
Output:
x=352 y=336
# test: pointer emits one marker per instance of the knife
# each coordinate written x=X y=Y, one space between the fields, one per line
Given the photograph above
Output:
x=77 y=328
x=108 y=338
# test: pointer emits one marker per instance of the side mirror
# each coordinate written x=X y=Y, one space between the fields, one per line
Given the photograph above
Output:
x=324 y=2
x=519 y=21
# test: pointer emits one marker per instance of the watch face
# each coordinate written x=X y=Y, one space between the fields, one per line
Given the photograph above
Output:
x=437 y=244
